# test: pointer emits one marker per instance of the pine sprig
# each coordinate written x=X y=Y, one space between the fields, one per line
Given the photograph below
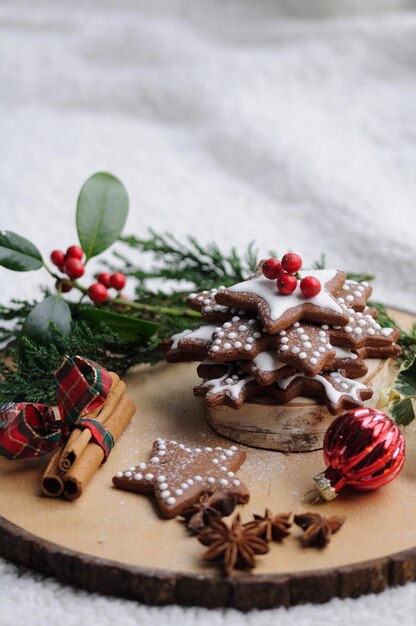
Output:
x=190 y=261
x=27 y=372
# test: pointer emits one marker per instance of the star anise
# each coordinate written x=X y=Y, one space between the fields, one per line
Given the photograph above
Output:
x=269 y=526
x=318 y=530
x=219 y=504
x=235 y=546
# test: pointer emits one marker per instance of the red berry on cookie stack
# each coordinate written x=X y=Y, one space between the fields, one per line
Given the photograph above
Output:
x=310 y=286
x=291 y=262
x=286 y=283
x=271 y=268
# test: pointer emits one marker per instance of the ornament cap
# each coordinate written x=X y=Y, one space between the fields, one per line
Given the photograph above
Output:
x=324 y=486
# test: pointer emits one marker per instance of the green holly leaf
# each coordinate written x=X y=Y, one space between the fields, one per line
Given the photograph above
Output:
x=102 y=209
x=17 y=253
x=129 y=328
x=405 y=383
x=403 y=411
x=37 y=325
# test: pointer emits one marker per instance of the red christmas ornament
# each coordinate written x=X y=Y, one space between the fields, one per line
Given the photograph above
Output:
x=363 y=449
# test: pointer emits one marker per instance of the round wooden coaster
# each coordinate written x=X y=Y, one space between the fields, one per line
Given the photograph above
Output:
x=114 y=542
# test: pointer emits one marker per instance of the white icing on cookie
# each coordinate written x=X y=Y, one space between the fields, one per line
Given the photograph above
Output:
x=178 y=336
x=344 y=353
x=267 y=361
x=348 y=387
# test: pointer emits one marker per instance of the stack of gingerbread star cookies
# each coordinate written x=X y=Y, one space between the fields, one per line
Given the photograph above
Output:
x=281 y=334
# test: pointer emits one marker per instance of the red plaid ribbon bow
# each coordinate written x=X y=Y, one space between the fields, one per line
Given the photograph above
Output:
x=30 y=430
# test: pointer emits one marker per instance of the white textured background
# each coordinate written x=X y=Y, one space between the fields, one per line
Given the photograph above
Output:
x=291 y=122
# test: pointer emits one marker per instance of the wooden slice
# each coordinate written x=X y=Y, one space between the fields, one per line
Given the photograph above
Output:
x=298 y=426
x=114 y=542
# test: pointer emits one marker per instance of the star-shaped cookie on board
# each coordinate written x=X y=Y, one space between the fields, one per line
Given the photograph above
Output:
x=178 y=476
x=278 y=311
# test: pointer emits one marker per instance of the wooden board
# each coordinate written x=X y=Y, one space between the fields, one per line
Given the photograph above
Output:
x=113 y=541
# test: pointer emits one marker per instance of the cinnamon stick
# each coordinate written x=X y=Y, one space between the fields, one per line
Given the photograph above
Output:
x=84 y=468
x=52 y=484
x=79 y=439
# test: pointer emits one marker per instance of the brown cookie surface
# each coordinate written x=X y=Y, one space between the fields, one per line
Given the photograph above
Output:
x=334 y=389
x=239 y=338
x=266 y=368
x=178 y=476
x=354 y=295
x=362 y=330
x=231 y=388
x=306 y=347
x=278 y=311
x=349 y=363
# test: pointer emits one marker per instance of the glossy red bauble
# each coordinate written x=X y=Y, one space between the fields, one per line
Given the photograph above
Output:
x=363 y=449
x=98 y=293
x=286 y=283
x=291 y=262
x=271 y=268
x=310 y=286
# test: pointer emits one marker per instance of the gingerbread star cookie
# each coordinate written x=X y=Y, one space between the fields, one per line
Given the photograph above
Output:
x=231 y=388
x=362 y=331
x=278 y=311
x=239 y=338
x=195 y=343
x=354 y=295
x=178 y=476
x=334 y=389
x=266 y=368
x=307 y=347
x=204 y=302
x=349 y=363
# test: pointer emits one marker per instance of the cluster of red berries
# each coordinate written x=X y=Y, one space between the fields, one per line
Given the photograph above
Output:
x=285 y=273
x=70 y=263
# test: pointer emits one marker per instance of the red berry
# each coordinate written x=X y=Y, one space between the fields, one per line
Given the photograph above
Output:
x=74 y=252
x=310 y=286
x=286 y=283
x=104 y=279
x=98 y=293
x=117 y=280
x=63 y=285
x=58 y=258
x=74 y=268
x=291 y=262
x=271 y=268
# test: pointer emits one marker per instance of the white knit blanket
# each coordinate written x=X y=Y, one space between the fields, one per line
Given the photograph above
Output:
x=290 y=122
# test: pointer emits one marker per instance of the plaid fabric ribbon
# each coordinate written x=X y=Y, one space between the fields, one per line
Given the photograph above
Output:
x=30 y=430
